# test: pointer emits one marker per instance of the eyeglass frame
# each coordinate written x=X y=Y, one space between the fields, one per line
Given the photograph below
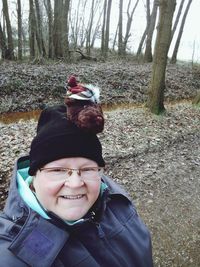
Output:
x=78 y=171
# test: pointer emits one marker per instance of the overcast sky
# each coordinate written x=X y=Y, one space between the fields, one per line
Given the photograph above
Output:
x=190 y=42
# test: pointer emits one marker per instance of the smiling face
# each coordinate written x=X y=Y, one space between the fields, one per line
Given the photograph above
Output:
x=70 y=199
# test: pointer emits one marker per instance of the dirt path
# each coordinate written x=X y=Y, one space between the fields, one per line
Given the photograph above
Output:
x=159 y=164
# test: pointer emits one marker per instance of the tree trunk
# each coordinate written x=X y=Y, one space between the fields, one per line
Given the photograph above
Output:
x=148 y=17
x=65 y=33
x=81 y=26
x=157 y=84
x=139 y=50
x=57 y=28
x=120 y=37
x=148 y=57
x=31 y=29
x=107 y=32
x=10 y=50
x=115 y=38
x=74 y=22
x=177 y=18
x=103 y=28
x=96 y=30
x=24 y=45
x=50 y=28
x=175 y=52
x=89 y=28
x=2 y=43
x=19 y=20
x=40 y=38
x=128 y=25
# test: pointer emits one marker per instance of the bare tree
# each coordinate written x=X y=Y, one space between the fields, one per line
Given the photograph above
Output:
x=122 y=42
x=32 y=26
x=75 y=23
x=35 y=30
x=120 y=25
x=3 y=45
x=19 y=20
x=10 y=46
x=78 y=25
x=177 y=18
x=115 y=37
x=175 y=52
x=48 y=7
x=39 y=31
x=148 y=14
x=148 y=57
x=107 y=31
x=57 y=28
x=24 y=40
x=128 y=25
x=89 y=28
x=93 y=27
x=61 y=29
x=96 y=29
x=65 y=33
x=139 y=50
x=157 y=84
x=103 y=27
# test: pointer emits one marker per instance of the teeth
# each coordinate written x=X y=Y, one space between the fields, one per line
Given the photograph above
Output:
x=73 y=197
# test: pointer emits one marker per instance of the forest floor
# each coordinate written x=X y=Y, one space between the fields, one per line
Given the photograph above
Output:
x=156 y=158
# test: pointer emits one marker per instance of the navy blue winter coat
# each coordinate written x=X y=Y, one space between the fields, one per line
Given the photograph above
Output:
x=115 y=236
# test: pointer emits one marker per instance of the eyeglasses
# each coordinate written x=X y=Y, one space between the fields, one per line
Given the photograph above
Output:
x=63 y=174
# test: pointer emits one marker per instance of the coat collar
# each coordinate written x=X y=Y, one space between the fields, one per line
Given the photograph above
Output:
x=115 y=189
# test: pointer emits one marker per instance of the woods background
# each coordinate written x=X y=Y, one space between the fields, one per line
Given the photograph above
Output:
x=55 y=31
x=156 y=158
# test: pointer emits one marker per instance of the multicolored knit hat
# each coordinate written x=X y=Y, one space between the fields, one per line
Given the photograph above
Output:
x=68 y=130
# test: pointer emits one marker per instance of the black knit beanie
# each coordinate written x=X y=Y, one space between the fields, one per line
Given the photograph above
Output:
x=58 y=138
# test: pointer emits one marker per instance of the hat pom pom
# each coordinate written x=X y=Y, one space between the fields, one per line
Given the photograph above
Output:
x=83 y=107
x=91 y=119
x=72 y=81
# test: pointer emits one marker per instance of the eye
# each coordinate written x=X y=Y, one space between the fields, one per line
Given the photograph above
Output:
x=89 y=169
x=56 y=170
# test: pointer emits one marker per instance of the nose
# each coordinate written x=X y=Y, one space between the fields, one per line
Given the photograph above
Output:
x=74 y=180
